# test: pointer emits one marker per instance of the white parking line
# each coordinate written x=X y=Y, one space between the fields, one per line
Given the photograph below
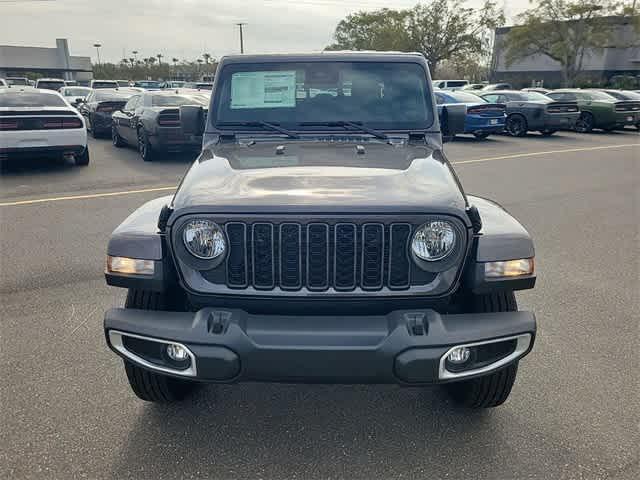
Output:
x=164 y=189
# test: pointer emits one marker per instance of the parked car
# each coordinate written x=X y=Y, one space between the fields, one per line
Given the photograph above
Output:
x=174 y=84
x=450 y=84
x=541 y=90
x=50 y=83
x=482 y=118
x=533 y=111
x=98 y=84
x=474 y=86
x=123 y=83
x=148 y=85
x=71 y=83
x=626 y=95
x=321 y=239
x=75 y=95
x=497 y=86
x=17 y=81
x=40 y=121
x=100 y=105
x=150 y=121
x=599 y=109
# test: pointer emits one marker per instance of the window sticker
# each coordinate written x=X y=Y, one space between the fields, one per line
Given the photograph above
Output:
x=272 y=89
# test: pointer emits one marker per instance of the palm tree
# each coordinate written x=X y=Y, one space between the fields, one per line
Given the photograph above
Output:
x=206 y=57
x=175 y=61
x=132 y=61
x=159 y=58
x=152 y=60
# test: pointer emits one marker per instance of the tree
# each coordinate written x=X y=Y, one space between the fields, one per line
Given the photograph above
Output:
x=563 y=30
x=159 y=58
x=440 y=30
x=206 y=57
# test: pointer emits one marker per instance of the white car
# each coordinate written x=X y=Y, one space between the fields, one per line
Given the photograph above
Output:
x=452 y=85
x=35 y=121
x=75 y=95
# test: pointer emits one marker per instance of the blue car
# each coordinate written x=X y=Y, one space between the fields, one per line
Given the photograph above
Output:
x=482 y=118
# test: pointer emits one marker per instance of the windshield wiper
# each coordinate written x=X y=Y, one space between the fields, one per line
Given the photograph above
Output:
x=268 y=125
x=345 y=123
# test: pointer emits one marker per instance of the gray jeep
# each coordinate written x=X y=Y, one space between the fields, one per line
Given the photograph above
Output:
x=321 y=237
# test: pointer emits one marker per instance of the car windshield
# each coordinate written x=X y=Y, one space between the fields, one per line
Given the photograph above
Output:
x=109 y=96
x=175 y=100
x=535 y=96
x=382 y=95
x=76 y=91
x=50 y=84
x=463 y=97
x=104 y=84
x=599 y=96
x=17 y=81
x=148 y=84
x=30 y=99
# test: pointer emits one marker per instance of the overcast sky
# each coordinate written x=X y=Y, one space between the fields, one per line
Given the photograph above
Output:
x=184 y=28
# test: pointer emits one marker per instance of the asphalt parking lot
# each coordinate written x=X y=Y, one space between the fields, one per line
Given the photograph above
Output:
x=67 y=411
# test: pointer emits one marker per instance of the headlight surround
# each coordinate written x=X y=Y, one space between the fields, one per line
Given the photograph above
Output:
x=434 y=240
x=204 y=239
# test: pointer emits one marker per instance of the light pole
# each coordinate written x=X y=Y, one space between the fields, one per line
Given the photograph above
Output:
x=240 y=25
x=98 y=45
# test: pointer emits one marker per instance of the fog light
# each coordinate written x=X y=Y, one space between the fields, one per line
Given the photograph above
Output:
x=509 y=268
x=126 y=265
x=177 y=353
x=459 y=355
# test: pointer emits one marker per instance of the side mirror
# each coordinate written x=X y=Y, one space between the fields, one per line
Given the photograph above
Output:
x=452 y=120
x=192 y=120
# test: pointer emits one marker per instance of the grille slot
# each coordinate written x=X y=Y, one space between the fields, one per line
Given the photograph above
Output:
x=318 y=256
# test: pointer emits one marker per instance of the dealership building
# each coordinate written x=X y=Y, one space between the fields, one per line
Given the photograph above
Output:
x=17 y=61
x=621 y=58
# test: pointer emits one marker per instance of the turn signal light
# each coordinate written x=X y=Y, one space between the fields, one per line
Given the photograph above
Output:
x=126 y=265
x=509 y=268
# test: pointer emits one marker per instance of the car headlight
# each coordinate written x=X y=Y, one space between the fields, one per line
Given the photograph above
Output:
x=434 y=240
x=204 y=239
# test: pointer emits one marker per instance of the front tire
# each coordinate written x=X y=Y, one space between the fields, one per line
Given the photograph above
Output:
x=490 y=390
x=147 y=385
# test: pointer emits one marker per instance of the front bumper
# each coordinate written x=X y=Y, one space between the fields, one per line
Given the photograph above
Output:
x=405 y=347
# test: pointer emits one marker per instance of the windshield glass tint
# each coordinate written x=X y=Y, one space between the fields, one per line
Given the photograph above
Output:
x=380 y=95
x=175 y=100
x=535 y=96
x=466 y=97
x=76 y=92
x=104 y=84
x=30 y=99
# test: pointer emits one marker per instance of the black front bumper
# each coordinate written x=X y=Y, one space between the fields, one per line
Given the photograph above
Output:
x=405 y=347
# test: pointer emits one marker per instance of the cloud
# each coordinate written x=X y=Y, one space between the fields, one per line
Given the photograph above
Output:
x=183 y=28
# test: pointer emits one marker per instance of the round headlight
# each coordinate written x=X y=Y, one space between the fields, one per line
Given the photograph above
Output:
x=204 y=239
x=434 y=240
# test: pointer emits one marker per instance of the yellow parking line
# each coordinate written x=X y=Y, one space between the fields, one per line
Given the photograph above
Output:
x=83 y=197
x=548 y=152
x=163 y=189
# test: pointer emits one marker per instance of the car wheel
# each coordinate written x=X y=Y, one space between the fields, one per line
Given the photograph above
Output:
x=547 y=132
x=490 y=390
x=116 y=138
x=481 y=136
x=516 y=125
x=144 y=147
x=147 y=385
x=584 y=123
x=82 y=159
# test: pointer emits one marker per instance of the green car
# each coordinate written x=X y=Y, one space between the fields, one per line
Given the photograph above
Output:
x=599 y=109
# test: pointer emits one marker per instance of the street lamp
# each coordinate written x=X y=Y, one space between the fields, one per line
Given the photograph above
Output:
x=98 y=45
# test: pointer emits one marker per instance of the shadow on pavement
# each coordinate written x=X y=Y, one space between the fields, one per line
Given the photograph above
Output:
x=282 y=431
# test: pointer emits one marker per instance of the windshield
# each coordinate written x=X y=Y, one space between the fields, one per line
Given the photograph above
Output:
x=108 y=96
x=104 y=85
x=378 y=94
x=148 y=84
x=535 y=96
x=17 y=81
x=463 y=97
x=50 y=84
x=175 y=100
x=76 y=92
x=599 y=96
x=30 y=99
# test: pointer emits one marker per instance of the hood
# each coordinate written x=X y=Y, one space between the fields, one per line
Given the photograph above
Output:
x=320 y=177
